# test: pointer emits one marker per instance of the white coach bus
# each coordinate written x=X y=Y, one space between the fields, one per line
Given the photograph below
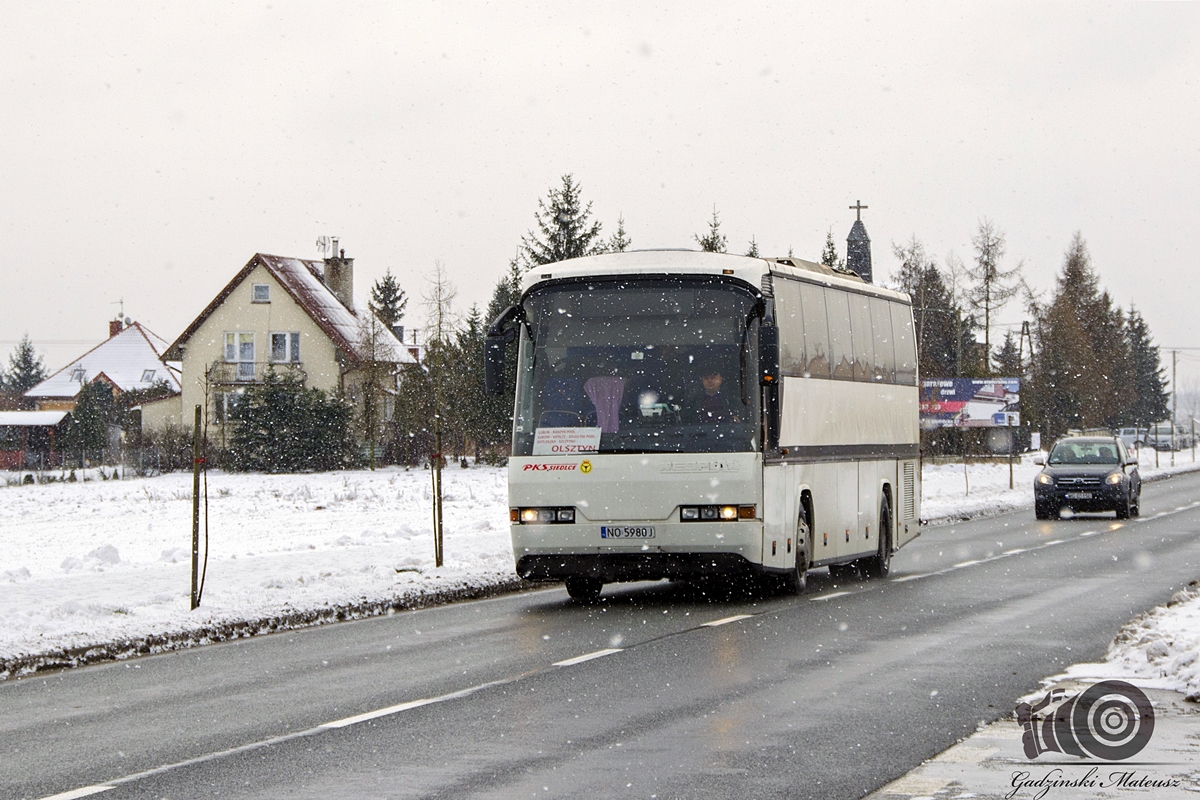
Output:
x=697 y=415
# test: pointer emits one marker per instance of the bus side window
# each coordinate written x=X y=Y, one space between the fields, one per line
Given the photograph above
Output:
x=863 y=337
x=905 y=343
x=816 y=331
x=789 y=318
x=841 y=345
x=885 y=354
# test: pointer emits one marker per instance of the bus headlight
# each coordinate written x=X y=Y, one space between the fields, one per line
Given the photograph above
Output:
x=542 y=516
x=716 y=513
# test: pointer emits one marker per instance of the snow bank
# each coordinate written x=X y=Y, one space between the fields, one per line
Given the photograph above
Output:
x=102 y=569
x=1156 y=650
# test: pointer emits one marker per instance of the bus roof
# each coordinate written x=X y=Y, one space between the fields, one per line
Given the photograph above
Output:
x=692 y=262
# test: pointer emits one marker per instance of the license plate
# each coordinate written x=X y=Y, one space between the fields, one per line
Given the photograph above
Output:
x=626 y=531
x=1079 y=495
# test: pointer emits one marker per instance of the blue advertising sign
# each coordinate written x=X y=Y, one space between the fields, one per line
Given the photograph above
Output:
x=970 y=403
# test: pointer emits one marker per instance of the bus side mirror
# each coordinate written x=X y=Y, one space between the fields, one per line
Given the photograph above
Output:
x=493 y=363
x=499 y=334
x=768 y=355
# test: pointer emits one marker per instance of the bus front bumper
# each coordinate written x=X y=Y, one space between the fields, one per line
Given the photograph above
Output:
x=617 y=567
x=678 y=551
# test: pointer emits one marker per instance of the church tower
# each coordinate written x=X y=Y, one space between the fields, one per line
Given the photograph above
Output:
x=858 y=246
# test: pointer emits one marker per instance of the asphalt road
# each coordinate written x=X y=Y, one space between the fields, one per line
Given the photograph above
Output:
x=831 y=694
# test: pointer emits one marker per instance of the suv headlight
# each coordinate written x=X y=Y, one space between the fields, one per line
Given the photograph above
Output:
x=1115 y=477
x=1045 y=479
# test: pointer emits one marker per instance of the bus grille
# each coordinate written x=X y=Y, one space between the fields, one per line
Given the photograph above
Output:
x=910 y=490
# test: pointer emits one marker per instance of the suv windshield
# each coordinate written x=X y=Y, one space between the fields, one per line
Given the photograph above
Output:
x=638 y=365
x=1082 y=452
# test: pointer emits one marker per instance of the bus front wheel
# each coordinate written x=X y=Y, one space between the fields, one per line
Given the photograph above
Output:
x=796 y=579
x=585 y=590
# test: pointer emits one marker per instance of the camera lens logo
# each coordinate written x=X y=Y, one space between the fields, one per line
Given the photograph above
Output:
x=1110 y=720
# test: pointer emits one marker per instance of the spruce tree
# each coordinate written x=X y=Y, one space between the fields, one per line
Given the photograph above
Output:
x=752 y=251
x=280 y=425
x=1083 y=370
x=829 y=256
x=714 y=241
x=1008 y=358
x=87 y=435
x=938 y=318
x=564 y=227
x=619 y=242
x=26 y=368
x=388 y=300
x=1151 y=404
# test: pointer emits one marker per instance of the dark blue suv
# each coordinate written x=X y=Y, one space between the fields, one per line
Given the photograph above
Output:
x=1088 y=473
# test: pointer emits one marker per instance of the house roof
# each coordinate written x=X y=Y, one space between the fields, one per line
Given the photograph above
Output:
x=302 y=279
x=122 y=360
x=31 y=419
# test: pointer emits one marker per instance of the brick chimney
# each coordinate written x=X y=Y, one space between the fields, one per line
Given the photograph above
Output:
x=114 y=327
x=339 y=276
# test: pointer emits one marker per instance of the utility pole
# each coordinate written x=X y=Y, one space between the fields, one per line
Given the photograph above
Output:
x=1174 y=401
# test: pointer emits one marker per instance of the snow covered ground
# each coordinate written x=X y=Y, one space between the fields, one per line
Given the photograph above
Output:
x=101 y=568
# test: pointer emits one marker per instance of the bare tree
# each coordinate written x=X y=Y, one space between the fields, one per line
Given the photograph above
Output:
x=993 y=286
x=438 y=301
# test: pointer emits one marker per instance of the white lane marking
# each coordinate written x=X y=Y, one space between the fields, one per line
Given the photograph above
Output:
x=726 y=620
x=968 y=563
x=907 y=578
x=570 y=662
x=396 y=709
x=1056 y=541
x=1014 y=551
x=82 y=792
x=1089 y=533
x=287 y=737
x=831 y=595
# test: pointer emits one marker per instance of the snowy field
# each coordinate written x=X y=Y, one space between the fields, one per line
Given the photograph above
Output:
x=101 y=569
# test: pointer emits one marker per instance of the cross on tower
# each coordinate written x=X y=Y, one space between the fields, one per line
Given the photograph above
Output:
x=858 y=207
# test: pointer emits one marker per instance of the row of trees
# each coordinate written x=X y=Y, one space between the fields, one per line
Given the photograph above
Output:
x=1084 y=361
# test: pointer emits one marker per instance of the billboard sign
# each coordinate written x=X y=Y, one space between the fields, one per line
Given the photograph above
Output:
x=970 y=403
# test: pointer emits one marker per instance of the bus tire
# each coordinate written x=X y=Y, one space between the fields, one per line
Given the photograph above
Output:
x=880 y=564
x=796 y=580
x=584 y=590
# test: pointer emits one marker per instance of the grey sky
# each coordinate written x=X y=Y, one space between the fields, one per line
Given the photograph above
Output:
x=150 y=150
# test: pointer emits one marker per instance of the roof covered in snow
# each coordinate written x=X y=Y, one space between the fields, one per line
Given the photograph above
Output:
x=302 y=279
x=31 y=419
x=131 y=360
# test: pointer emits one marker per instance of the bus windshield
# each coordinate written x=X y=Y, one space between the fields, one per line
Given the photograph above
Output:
x=638 y=366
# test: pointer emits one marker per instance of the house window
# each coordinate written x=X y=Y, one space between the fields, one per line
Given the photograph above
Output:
x=285 y=347
x=78 y=375
x=239 y=349
x=148 y=375
x=223 y=405
x=262 y=293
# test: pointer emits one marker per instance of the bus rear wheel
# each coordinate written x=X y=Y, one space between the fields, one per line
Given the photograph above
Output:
x=880 y=564
x=585 y=590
